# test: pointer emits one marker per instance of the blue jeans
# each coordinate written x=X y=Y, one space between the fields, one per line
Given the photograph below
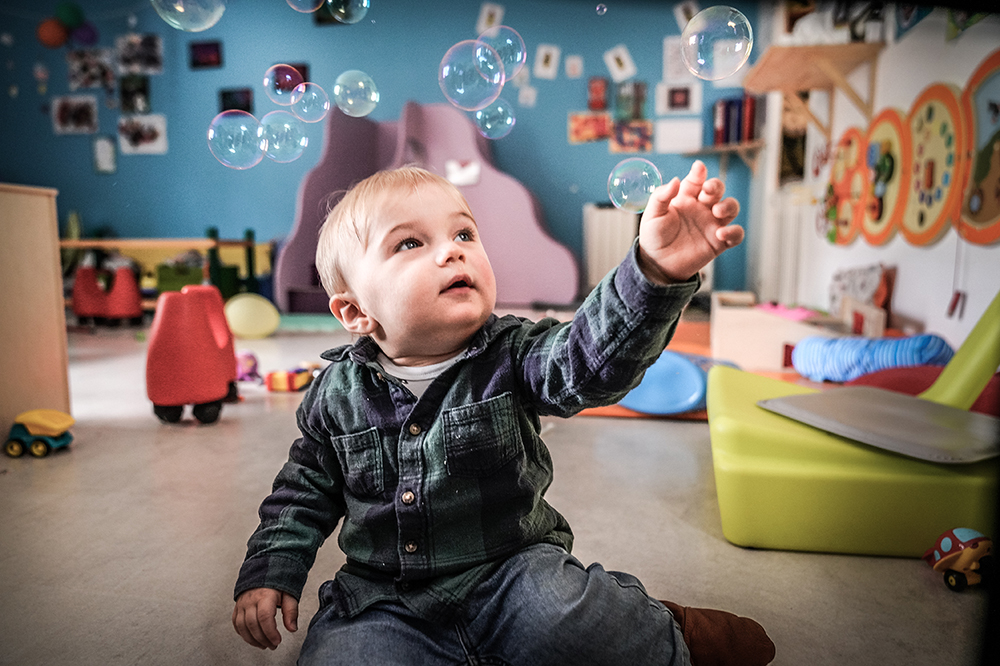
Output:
x=540 y=607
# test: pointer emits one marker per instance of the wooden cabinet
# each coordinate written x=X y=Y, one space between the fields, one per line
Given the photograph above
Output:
x=34 y=358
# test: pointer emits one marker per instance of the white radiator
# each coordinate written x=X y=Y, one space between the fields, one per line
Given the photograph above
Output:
x=608 y=233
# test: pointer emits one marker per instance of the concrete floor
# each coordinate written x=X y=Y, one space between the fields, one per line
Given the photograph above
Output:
x=124 y=548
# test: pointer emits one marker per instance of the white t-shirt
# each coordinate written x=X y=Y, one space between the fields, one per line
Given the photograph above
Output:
x=417 y=377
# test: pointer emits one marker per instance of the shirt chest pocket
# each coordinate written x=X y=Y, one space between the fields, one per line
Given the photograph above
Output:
x=360 y=457
x=482 y=437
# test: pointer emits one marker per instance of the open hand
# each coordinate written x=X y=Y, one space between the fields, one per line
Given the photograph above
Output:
x=686 y=224
x=255 y=613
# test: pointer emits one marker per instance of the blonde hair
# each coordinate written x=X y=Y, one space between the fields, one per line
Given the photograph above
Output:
x=346 y=225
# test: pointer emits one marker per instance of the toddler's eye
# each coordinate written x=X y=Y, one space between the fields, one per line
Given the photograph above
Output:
x=408 y=244
x=464 y=235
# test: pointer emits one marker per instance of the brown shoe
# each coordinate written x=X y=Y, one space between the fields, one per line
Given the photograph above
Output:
x=718 y=638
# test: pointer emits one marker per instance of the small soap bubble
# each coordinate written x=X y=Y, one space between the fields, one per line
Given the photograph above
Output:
x=285 y=135
x=716 y=43
x=190 y=15
x=348 y=11
x=495 y=120
x=631 y=183
x=471 y=75
x=279 y=83
x=509 y=46
x=602 y=9
x=355 y=93
x=310 y=102
x=305 y=6
x=236 y=139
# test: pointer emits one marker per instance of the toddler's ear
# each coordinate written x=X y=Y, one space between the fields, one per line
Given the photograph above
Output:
x=347 y=311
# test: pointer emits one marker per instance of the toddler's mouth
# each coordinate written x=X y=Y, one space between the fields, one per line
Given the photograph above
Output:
x=460 y=282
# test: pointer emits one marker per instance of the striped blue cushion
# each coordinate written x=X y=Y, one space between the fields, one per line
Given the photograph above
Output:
x=844 y=359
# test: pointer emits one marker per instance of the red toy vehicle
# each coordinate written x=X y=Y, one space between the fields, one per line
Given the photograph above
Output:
x=191 y=358
x=964 y=555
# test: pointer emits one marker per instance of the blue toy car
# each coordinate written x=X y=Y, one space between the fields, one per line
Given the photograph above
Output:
x=39 y=431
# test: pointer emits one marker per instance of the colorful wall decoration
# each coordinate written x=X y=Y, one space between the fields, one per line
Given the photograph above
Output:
x=979 y=218
x=845 y=191
x=939 y=147
x=888 y=156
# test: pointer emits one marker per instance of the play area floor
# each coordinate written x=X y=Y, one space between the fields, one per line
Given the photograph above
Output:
x=123 y=549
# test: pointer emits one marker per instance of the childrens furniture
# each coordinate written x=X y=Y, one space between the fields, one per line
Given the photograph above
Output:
x=785 y=485
x=191 y=358
x=530 y=266
x=34 y=355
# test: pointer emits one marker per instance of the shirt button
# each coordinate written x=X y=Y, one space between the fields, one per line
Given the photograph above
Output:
x=379 y=376
x=414 y=429
x=408 y=497
x=411 y=547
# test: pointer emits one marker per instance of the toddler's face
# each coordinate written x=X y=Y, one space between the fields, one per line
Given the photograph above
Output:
x=424 y=276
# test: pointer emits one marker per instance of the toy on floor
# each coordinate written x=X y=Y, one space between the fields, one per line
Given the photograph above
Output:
x=190 y=358
x=674 y=384
x=291 y=380
x=247 y=368
x=122 y=301
x=39 y=431
x=251 y=316
x=965 y=556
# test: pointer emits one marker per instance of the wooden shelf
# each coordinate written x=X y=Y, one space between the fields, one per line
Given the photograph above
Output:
x=747 y=150
x=793 y=69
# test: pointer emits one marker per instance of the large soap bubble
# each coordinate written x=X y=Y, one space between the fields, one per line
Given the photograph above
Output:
x=285 y=135
x=471 y=75
x=631 y=183
x=305 y=6
x=716 y=43
x=495 y=120
x=310 y=102
x=280 y=81
x=509 y=46
x=236 y=139
x=355 y=93
x=348 y=11
x=190 y=15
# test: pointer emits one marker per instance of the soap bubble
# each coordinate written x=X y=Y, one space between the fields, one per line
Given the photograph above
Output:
x=190 y=15
x=285 y=135
x=509 y=46
x=236 y=139
x=471 y=75
x=495 y=120
x=310 y=102
x=631 y=183
x=601 y=9
x=355 y=93
x=716 y=43
x=279 y=83
x=348 y=11
x=305 y=6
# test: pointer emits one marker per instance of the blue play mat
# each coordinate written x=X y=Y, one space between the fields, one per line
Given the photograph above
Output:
x=674 y=384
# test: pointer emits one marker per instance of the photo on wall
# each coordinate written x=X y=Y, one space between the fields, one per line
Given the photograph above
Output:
x=631 y=136
x=142 y=134
x=74 y=114
x=586 y=127
x=240 y=99
x=105 y=155
x=135 y=94
x=91 y=68
x=205 y=55
x=139 y=54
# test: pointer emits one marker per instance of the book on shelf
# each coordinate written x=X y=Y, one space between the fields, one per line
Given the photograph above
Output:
x=737 y=119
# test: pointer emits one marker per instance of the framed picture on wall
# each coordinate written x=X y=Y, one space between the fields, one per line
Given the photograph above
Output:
x=134 y=91
x=142 y=135
x=105 y=155
x=547 y=61
x=631 y=136
x=236 y=98
x=74 y=114
x=139 y=54
x=205 y=55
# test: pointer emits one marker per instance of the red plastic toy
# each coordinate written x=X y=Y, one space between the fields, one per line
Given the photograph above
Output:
x=964 y=555
x=122 y=301
x=191 y=358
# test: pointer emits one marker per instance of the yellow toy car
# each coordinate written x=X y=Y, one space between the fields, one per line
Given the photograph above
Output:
x=39 y=431
x=964 y=555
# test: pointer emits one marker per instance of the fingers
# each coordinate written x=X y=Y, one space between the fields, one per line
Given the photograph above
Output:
x=290 y=611
x=726 y=210
x=692 y=184
x=731 y=234
x=254 y=618
x=661 y=197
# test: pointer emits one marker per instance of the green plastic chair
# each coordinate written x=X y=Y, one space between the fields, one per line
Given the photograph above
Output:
x=785 y=485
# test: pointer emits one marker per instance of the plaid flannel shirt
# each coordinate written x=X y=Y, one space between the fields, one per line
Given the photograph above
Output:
x=434 y=492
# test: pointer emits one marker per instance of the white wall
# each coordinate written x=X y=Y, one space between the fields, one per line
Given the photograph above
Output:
x=926 y=275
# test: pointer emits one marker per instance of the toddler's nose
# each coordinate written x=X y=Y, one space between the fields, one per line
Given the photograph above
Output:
x=450 y=251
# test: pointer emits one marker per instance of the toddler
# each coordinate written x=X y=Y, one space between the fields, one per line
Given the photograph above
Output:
x=423 y=437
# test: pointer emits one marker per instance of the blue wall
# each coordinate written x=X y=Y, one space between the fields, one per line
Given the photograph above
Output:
x=399 y=43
